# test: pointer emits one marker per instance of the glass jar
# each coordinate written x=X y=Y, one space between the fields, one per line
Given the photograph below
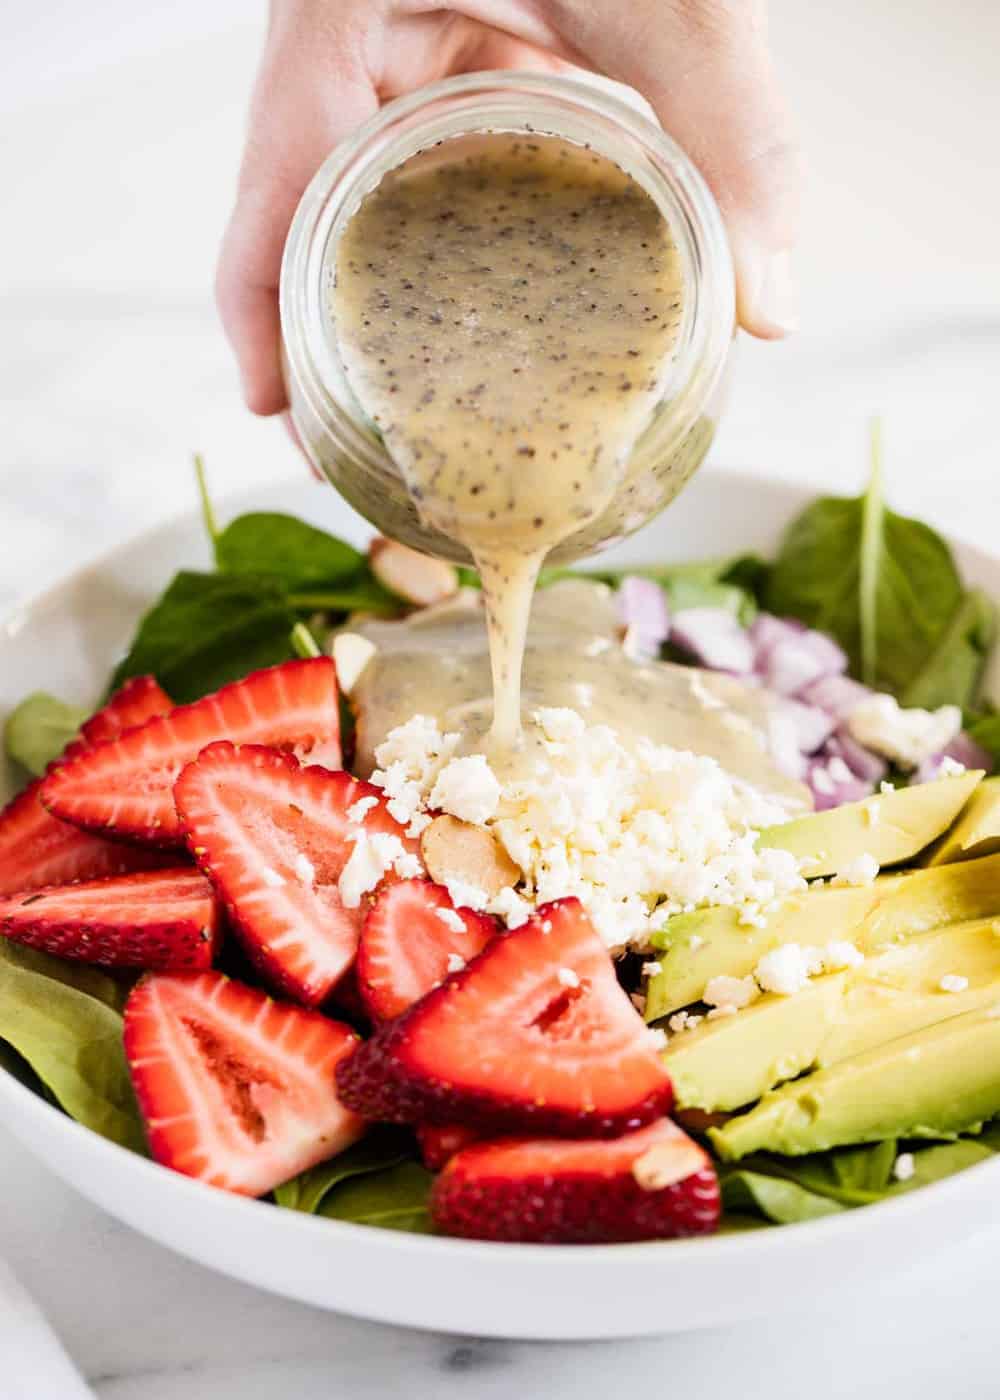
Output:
x=342 y=442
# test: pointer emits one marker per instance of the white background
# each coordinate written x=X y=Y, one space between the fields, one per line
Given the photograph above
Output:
x=120 y=128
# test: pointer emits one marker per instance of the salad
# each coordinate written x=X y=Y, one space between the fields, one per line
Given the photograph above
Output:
x=398 y=990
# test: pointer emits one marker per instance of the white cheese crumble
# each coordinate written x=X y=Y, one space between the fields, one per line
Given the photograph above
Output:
x=568 y=978
x=304 y=869
x=718 y=1012
x=451 y=919
x=736 y=992
x=839 y=954
x=862 y=870
x=466 y=788
x=952 y=982
x=871 y=810
x=904 y=1166
x=950 y=767
x=466 y=896
x=682 y=1021
x=784 y=970
x=271 y=878
x=906 y=736
x=455 y=962
x=637 y=834
x=652 y=969
x=357 y=811
x=373 y=856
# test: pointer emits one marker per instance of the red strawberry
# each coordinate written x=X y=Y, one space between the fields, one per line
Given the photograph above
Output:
x=274 y=839
x=37 y=850
x=439 y=1145
x=125 y=786
x=652 y=1184
x=411 y=939
x=138 y=700
x=535 y=1033
x=236 y=1089
x=163 y=919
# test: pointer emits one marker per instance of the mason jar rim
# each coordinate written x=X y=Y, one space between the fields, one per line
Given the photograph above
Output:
x=574 y=109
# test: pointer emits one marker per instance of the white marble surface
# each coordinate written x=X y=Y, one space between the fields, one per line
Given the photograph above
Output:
x=120 y=131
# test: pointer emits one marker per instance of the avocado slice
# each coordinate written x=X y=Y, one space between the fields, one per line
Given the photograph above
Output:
x=728 y=1063
x=977 y=830
x=936 y=1083
x=693 y=948
x=892 y=827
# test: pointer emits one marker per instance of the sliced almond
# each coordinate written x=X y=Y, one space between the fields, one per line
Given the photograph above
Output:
x=457 y=851
x=351 y=654
x=668 y=1162
x=417 y=578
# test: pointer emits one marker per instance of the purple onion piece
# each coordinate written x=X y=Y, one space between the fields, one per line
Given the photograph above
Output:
x=642 y=607
x=869 y=767
x=810 y=725
x=714 y=637
x=964 y=750
x=836 y=694
x=831 y=788
x=766 y=630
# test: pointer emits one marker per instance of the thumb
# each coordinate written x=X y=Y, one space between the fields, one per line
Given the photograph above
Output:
x=303 y=104
x=706 y=69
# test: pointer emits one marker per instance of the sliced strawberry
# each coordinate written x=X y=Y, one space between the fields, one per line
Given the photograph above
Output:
x=36 y=849
x=125 y=786
x=236 y=1089
x=439 y=1144
x=535 y=1034
x=652 y=1184
x=139 y=699
x=413 y=936
x=274 y=839
x=163 y=920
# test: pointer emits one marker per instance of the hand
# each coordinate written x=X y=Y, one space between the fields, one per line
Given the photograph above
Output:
x=704 y=66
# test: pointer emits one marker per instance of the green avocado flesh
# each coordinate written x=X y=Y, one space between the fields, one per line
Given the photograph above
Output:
x=977 y=830
x=935 y=1083
x=893 y=827
x=694 y=948
x=728 y=1063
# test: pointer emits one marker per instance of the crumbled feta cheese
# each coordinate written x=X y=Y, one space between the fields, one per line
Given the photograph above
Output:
x=466 y=788
x=904 y=1166
x=860 y=871
x=750 y=916
x=784 y=970
x=952 y=982
x=271 y=878
x=304 y=869
x=451 y=919
x=357 y=811
x=885 y=787
x=736 y=992
x=657 y=1037
x=840 y=954
x=871 y=810
x=950 y=767
x=652 y=969
x=717 y=1013
x=567 y=977
x=906 y=736
x=455 y=962
x=466 y=896
x=373 y=856
x=511 y=907
x=683 y=1021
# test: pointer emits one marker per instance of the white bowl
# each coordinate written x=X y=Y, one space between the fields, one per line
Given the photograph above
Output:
x=67 y=641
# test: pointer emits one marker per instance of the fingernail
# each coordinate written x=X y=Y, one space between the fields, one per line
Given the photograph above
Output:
x=777 y=308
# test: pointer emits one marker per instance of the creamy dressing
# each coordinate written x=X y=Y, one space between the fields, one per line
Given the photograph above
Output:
x=507 y=307
x=436 y=663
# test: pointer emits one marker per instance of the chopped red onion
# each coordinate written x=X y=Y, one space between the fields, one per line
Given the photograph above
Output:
x=790 y=656
x=715 y=638
x=836 y=694
x=642 y=607
x=962 y=750
x=830 y=787
x=811 y=725
x=766 y=630
x=869 y=767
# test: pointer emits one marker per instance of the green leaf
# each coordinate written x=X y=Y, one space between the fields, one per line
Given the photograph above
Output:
x=986 y=731
x=394 y=1199
x=303 y=642
x=209 y=629
x=885 y=587
x=952 y=672
x=71 y=1038
x=935 y=1163
x=39 y=729
x=296 y=554
x=364 y=595
x=378 y=1150
x=782 y=1201
x=207 y=509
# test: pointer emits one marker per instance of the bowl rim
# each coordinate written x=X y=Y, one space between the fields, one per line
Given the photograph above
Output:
x=787 y=1239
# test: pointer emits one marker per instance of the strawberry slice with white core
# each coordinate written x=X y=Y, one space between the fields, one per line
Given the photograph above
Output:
x=275 y=838
x=535 y=1034
x=655 y=1183
x=125 y=786
x=235 y=1089
x=164 y=919
x=439 y=1144
x=413 y=937
x=36 y=849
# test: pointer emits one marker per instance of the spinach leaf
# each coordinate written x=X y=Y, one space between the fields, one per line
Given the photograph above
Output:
x=63 y=1021
x=208 y=629
x=986 y=731
x=395 y=1199
x=298 y=555
x=39 y=729
x=778 y=1199
x=884 y=586
x=951 y=674
x=380 y=1149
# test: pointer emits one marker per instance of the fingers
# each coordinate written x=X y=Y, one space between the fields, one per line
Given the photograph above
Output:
x=307 y=96
x=705 y=67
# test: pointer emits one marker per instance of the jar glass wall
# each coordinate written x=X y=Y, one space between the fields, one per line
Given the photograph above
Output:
x=342 y=442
